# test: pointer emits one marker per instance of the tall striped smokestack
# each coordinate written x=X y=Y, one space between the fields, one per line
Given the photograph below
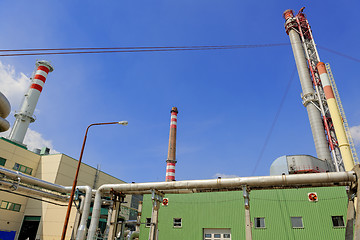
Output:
x=25 y=116
x=170 y=162
x=336 y=118
x=308 y=94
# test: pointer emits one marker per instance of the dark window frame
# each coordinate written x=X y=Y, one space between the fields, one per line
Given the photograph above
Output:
x=176 y=222
x=148 y=222
x=22 y=168
x=2 y=161
x=255 y=222
x=10 y=206
x=335 y=219
x=297 y=217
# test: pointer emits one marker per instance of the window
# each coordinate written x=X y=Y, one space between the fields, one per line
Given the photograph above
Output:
x=2 y=161
x=338 y=221
x=259 y=222
x=10 y=206
x=148 y=222
x=217 y=234
x=177 y=222
x=297 y=222
x=22 y=168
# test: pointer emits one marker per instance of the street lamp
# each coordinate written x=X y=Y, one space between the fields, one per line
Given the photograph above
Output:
x=77 y=173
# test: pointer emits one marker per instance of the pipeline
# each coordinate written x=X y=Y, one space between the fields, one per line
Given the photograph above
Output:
x=19 y=188
x=4 y=112
x=20 y=177
x=32 y=180
x=263 y=182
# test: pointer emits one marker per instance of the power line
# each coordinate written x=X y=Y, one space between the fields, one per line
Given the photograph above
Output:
x=63 y=51
x=274 y=122
x=339 y=53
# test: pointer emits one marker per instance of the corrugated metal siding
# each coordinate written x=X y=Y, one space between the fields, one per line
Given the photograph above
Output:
x=226 y=210
x=277 y=206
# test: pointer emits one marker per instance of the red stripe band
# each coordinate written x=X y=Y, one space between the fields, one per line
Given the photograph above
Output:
x=40 y=77
x=171 y=164
x=174 y=113
x=170 y=177
x=174 y=119
x=36 y=86
x=172 y=126
x=170 y=170
x=43 y=68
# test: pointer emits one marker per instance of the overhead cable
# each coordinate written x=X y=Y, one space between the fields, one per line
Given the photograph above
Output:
x=63 y=51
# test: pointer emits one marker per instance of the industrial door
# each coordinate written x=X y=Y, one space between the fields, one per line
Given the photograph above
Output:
x=217 y=234
x=29 y=228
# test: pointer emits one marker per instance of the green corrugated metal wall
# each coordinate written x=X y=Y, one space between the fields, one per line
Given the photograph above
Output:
x=226 y=210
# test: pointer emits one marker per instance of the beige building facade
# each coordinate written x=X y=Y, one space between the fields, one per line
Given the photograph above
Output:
x=45 y=216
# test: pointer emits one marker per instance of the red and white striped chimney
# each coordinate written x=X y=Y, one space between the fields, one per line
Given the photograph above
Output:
x=25 y=116
x=170 y=162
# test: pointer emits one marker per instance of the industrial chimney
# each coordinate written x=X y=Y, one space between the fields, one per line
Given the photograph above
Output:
x=170 y=162
x=25 y=116
x=294 y=26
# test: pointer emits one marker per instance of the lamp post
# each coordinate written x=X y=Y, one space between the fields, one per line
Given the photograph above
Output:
x=77 y=173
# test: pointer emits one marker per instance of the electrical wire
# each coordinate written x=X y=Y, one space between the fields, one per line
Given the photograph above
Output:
x=23 y=195
x=339 y=53
x=63 y=51
x=274 y=122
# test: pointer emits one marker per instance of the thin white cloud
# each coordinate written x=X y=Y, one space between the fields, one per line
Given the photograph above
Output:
x=33 y=140
x=355 y=134
x=222 y=175
x=13 y=85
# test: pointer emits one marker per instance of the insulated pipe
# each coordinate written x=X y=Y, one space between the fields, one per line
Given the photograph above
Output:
x=18 y=188
x=133 y=235
x=81 y=233
x=336 y=118
x=77 y=218
x=4 y=112
x=25 y=116
x=32 y=180
x=171 y=159
x=264 y=182
x=316 y=123
x=14 y=175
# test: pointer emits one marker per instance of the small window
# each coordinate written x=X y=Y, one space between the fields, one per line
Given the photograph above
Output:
x=22 y=168
x=177 y=222
x=148 y=222
x=259 y=222
x=2 y=161
x=4 y=205
x=16 y=207
x=297 y=222
x=338 y=221
x=217 y=235
x=226 y=235
x=208 y=235
x=16 y=166
x=10 y=206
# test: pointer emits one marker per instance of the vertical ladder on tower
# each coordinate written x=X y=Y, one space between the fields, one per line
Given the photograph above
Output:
x=342 y=112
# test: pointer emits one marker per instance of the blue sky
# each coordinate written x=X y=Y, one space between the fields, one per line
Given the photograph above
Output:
x=227 y=99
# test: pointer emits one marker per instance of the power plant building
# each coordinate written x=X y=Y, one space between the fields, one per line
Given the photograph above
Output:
x=44 y=218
